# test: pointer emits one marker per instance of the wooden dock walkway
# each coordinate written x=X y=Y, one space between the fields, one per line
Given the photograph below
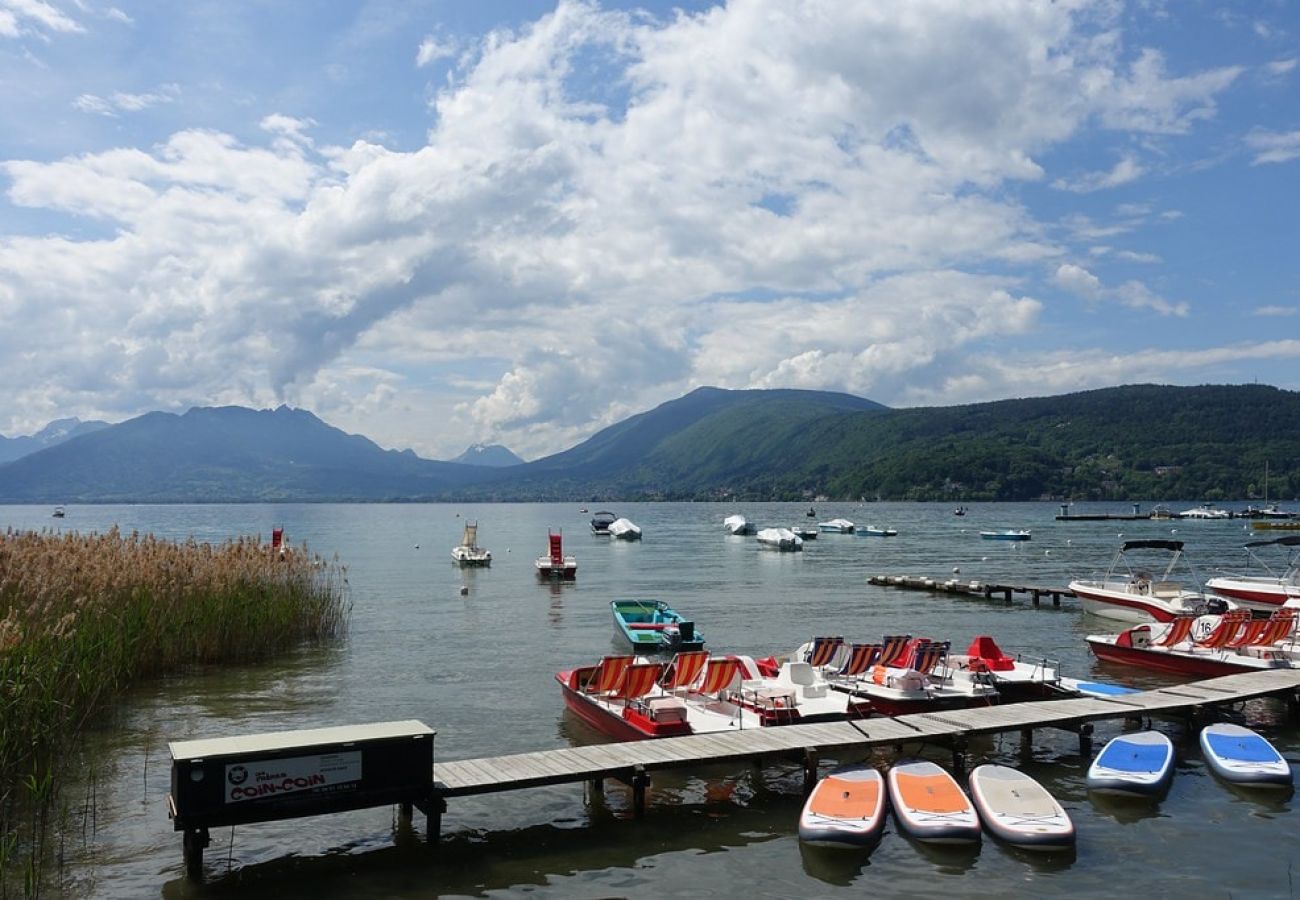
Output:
x=972 y=588
x=633 y=761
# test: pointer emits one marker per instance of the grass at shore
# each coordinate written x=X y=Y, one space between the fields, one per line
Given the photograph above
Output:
x=82 y=617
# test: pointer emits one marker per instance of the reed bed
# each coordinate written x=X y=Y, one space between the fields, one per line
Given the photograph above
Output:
x=84 y=616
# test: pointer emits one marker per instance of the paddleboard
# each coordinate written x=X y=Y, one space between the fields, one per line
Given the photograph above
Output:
x=1133 y=765
x=1242 y=756
x=1017 y=809
x=846 y=809
x=930 y=806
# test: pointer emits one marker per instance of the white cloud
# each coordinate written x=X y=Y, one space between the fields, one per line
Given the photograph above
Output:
x=19 y=17
x=121 y=101
x=1275 y=311
x=1279 y=67
x=1273 y=147
x=1126 y=170
x=760 y=194
x=433 y=49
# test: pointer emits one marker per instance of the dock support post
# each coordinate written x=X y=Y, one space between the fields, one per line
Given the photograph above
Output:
x=810 y=763
x=1056 y=599
x=959 y=755
x=192 y=844
x=1036 y=595
x=640 y=780
x=437 y=806
x=988 y=592
x=1006 y=594
x=1085 y=740
x=404 y=812
x=1026 y=744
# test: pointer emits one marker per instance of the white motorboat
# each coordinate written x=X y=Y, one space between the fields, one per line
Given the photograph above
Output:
x=469 y=553
x=738 y=524
x=1130 y=594
x=1205 y=511
x=779 y=539
x=625 y=530
x=878 y=531
x=837 y=526
x=1264 y=591
x=601 y=521
x=806 y=532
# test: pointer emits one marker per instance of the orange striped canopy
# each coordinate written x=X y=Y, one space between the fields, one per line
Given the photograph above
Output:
x=719 y=674
x=638 y=680
x=1226 y=630
x=824 y=650
x=861 y=658
x=609 y=673
x=1178 y=631
x=892 y=648
x=1280 y=625
x=686 y=667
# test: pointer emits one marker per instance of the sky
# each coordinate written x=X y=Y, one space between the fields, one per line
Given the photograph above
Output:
x=438 y=222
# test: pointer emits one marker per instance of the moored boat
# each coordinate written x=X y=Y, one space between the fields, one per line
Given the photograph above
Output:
x=614 y=696
x=878 y=531
x=779 y=539
x=930 y=806
x=601 y=521
x=805 y=532
x=738 y=524
x=1205 y=511
x=1206 y=646
x=897 y=676
x=468 y=552
x=652 y=626
x=836 y=526
x=846 y=809
x=59 y=512
x=624 y=530
x=555 y=564
x=1018 y=810
x=1265 y=591
x=1014 y=678
x=1131 y=594
x=1007 y=534
x=1133 y=765
x=1244 y=757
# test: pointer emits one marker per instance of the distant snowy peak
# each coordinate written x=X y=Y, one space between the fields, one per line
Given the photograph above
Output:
x=488 y=455
x=51 y=435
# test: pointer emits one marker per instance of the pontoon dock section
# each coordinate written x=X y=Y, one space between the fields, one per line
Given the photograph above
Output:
x=287 y=774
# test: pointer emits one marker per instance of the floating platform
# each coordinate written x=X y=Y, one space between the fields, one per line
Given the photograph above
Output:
x=972 y=588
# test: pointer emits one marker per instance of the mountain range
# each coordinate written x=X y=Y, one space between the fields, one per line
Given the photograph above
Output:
x=1132 y=442
x=51 y=435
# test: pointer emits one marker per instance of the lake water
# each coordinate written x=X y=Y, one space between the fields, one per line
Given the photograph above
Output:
x=479 y=669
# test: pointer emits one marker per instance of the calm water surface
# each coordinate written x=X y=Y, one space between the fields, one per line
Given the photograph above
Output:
x=479 y=669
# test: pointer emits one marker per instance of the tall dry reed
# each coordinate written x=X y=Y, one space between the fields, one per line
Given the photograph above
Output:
x=84 y=616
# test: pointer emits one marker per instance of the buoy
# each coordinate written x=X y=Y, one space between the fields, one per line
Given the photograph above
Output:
x=1173 y=530
x=464 y=590
x=1121 y=534
x=1047 y=552
x=984 y=559
x=417 y=546
x=955 y=570
x=1068 y=542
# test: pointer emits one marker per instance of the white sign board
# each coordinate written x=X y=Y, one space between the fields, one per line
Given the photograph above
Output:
x=276 y=777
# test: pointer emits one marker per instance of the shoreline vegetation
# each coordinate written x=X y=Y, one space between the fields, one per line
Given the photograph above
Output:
x=84 y=617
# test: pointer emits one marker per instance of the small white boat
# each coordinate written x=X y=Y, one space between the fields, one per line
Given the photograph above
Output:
x=1130 y=593
x=601 y=521
x=555 y=564
x=837 y=526
x=1264 y=591
x=1008 y=534
x=1017 y=809
x=1133 y=765
x=846 y=809
x=1205 y=511
x=878 y=531
x=1244 y=757
x=59 y=512
x=779 y=539
x=738 y=524
x=625 y=530
x=806 y=532
x=469 y=553
x=930 y=806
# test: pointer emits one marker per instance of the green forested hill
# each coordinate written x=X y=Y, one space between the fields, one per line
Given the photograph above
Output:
x=1139 y=442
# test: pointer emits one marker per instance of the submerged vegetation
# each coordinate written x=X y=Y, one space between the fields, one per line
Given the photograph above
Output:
x=82 y=617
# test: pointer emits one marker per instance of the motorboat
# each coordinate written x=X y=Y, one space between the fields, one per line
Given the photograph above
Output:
x=779 y=539
x=812 y=512
x=959 y=511
x=554 y=564
x=59 y=512
x=1008 y=534
x=1131 y=594
x=601 y=521
x=738 y=524
x=1265 y=591
x=625 y=530
x=1205 y=511
x=837 y=526
x=1206 y=646
x=468 y=552
x=878 y=531
x=805 y=532
x=652 y=626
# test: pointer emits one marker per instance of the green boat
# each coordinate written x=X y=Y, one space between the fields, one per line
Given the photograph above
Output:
x=653 y=626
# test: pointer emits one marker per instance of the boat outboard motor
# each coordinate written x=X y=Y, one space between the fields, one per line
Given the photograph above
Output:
x=1216 y=606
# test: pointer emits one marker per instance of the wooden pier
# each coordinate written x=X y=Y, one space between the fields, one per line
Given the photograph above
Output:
x=632 y=762
x=973 y=588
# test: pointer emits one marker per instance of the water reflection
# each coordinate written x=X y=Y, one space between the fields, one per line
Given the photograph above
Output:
x=834 y=865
